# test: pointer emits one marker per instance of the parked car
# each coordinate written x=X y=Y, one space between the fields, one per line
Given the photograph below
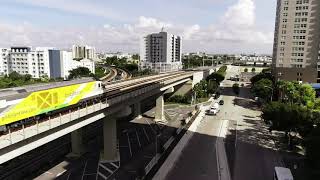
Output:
x=221 y=102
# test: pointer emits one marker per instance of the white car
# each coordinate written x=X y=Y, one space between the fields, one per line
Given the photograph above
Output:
x=214 y=109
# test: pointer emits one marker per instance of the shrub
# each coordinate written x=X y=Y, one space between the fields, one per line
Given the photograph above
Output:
x=179 y=99
x=236 y=88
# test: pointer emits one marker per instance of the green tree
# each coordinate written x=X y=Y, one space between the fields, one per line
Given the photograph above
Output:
x=200 y=89
x=222 y=71
x=263 y=89
x=288 y=118
x=236 y=88
x=245 y=70
x=294 y=92
x=212 y=86
x=99 y=72
x=80 y=72
x=179 y=99
x=131 y=67
x=218 y=77
x=135 y=56
x=45 y=78
x=262 y=75
x=253 y=70
x=267 y=70
x=15 y=76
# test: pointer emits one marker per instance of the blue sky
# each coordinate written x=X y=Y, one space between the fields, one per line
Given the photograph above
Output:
x=216 y=26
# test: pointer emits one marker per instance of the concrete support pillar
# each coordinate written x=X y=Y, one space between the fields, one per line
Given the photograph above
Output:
x=110 y=150
x=137 y=110
x=159 y=114
x=77 y=143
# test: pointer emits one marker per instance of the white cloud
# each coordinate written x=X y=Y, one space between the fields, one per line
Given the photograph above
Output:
x=235 y=33
x=148 y=22
x=77 y=6
x=190 y=31
x=240 y=15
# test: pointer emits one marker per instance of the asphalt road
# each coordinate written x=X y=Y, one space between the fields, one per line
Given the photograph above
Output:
x=255 y=153
x=198 y=159
x=253 y=147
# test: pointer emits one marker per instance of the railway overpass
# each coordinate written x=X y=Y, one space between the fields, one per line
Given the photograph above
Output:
x=122 y=97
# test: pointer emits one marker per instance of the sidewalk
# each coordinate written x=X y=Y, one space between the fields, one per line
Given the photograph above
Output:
x=255 y=151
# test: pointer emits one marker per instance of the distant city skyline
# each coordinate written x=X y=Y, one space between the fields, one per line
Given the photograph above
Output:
x=213 y=26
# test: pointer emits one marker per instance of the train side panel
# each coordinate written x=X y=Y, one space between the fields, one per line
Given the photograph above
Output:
x=47 y=100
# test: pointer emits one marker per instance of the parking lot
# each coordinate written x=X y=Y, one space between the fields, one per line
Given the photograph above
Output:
x=137 y=146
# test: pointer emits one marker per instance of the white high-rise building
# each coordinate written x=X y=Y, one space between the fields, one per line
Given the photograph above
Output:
x=83 y=52
x=23 y=60
x=296 y=55
x=160 y=52
x=40 y=62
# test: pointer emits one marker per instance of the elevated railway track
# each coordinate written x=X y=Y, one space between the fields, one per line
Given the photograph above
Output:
x=17 y=133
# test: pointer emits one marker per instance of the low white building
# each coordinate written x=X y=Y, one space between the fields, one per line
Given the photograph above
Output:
x=67 y=63
x=40 y=62
x=24 y=60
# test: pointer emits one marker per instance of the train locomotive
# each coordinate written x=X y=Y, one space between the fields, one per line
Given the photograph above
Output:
x=21 y=103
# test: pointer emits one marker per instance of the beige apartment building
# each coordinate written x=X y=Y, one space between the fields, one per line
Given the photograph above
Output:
x=296 y=51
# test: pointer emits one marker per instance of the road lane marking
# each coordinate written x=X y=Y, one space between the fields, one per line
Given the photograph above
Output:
x=69 y=176
x=129 y=143
x=138 y=138
x=84 y=170
x=59 y=174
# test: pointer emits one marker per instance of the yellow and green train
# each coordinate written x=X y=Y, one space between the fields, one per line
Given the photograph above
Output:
x=21 y=103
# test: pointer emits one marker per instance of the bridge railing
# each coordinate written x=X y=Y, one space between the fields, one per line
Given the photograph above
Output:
x=23 y=132
x=48 y=123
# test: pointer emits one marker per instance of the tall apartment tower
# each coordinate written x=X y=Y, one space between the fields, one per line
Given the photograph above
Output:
x=83 y=52
x=296 y=51
x=160 y=52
